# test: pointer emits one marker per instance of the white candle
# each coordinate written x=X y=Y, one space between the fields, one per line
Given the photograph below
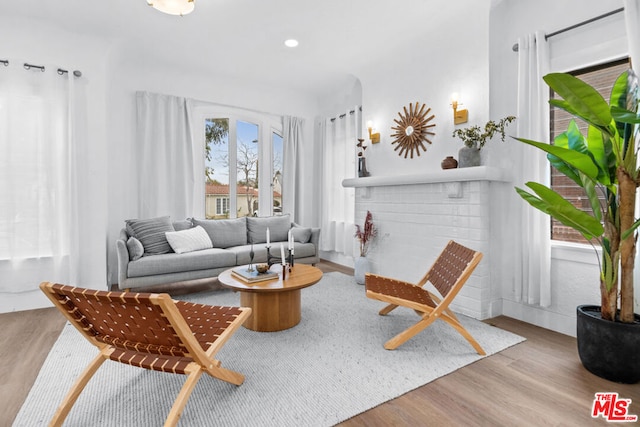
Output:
x=292 y=245
x=290 y=241
x=282 y=252
x=268 y=238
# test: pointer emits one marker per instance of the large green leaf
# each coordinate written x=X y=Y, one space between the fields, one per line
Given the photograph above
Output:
x=603 y=155
x=580 y=99
x=589 y=187
x=623 y=115
x=552 y=203
x=608 y=270
x=582 y=162
x=620 y=91
x=569 y=171
x=630 y=231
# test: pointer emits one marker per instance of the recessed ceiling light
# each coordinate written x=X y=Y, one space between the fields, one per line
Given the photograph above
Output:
x=291 y=43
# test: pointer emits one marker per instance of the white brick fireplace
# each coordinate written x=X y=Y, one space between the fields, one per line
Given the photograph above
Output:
x=417 y=214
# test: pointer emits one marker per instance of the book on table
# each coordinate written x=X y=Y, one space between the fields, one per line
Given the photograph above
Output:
x=245 y=275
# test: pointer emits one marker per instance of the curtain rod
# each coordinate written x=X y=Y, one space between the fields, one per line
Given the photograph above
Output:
x=342 y=116
x=579 y=24
x=28 y=66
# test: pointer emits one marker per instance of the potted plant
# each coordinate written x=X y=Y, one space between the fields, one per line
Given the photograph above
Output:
x=605 y=161
x=364 y=236
x=475 y=137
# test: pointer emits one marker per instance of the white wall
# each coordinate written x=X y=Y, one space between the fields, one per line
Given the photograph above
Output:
x=449 y=55
x=574 y=272
x=38 y=42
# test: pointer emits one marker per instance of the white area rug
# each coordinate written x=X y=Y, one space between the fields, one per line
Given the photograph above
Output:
x=325 y=370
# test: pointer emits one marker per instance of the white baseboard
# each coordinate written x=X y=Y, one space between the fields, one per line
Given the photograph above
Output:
x=563 y=323
x=10 y=302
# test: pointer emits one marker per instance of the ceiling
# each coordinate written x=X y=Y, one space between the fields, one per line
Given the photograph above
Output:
x=244 y=38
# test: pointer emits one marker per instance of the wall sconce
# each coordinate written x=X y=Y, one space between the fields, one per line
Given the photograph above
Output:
x=459 y=116
x=374 y=137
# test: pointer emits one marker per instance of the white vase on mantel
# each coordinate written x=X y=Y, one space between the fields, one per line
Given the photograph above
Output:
x=361 y=266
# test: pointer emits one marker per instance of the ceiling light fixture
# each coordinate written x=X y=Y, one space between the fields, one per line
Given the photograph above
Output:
x=173 y=7
x=291 y=43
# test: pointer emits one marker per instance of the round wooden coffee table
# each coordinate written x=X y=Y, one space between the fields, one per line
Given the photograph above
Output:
x=275 y=303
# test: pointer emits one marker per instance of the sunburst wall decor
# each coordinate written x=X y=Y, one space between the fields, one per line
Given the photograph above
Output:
x=413 y=129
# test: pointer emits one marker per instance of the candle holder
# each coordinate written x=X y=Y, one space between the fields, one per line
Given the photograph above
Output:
x=251 y=255
x=271 y=260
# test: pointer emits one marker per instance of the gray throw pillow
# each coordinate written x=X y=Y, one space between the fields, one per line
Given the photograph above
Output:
x=150 y=232
x=135 y=248
x=301 y=234
x=183 y=224
x=278 y=228
x=224 y=233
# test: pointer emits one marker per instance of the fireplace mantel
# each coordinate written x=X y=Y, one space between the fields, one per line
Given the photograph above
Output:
x=417 y=214
x=478 y=173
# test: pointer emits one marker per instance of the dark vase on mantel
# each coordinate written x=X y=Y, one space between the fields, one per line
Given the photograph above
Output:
x=449 y=163
x=362 y=167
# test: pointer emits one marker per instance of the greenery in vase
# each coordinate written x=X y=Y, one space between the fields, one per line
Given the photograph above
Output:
x=365 y=234
x=476 y=137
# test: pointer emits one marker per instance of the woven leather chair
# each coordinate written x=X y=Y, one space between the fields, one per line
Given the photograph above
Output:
x=449 y=272
x=149 y=331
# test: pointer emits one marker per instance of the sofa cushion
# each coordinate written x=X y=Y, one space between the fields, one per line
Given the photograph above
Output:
x=242 y=253
x=177 y=263
x=278 y=228
x=301 y=234
x=150 y=232
x=135 y=248
x=224 y=232
x=192 y=239
x=183 y=224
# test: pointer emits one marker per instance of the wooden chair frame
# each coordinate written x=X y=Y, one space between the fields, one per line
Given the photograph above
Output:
x=448 y=274
x=155 y=333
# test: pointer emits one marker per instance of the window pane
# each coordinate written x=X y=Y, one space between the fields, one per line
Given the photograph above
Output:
x=216 y=168
x=247 y=167
x=276 y=180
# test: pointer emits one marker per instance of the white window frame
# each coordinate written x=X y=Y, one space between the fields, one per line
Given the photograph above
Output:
x=266 y=123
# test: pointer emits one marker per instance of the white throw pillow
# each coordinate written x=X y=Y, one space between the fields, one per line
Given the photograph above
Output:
x=193 y=239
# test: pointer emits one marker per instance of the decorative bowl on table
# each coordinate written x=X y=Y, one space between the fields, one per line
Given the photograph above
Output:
x=262 y=268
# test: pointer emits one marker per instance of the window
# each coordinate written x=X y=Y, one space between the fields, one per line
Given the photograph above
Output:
x=235 y=183
x=601 y=77
x=222 y=206
x=247 y=180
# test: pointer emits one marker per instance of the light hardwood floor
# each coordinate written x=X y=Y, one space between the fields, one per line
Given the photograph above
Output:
x=539 y=382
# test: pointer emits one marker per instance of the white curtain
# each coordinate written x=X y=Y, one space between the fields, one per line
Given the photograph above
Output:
x=532 y=279
x=292 y=134
x=632 y=21
x=171 y=167
x=38 y=193
x=338 y=203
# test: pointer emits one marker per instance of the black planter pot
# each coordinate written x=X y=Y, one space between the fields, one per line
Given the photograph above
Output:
x=610 y=350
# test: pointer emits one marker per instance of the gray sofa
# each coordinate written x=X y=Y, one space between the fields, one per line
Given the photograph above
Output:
x=146 y=256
